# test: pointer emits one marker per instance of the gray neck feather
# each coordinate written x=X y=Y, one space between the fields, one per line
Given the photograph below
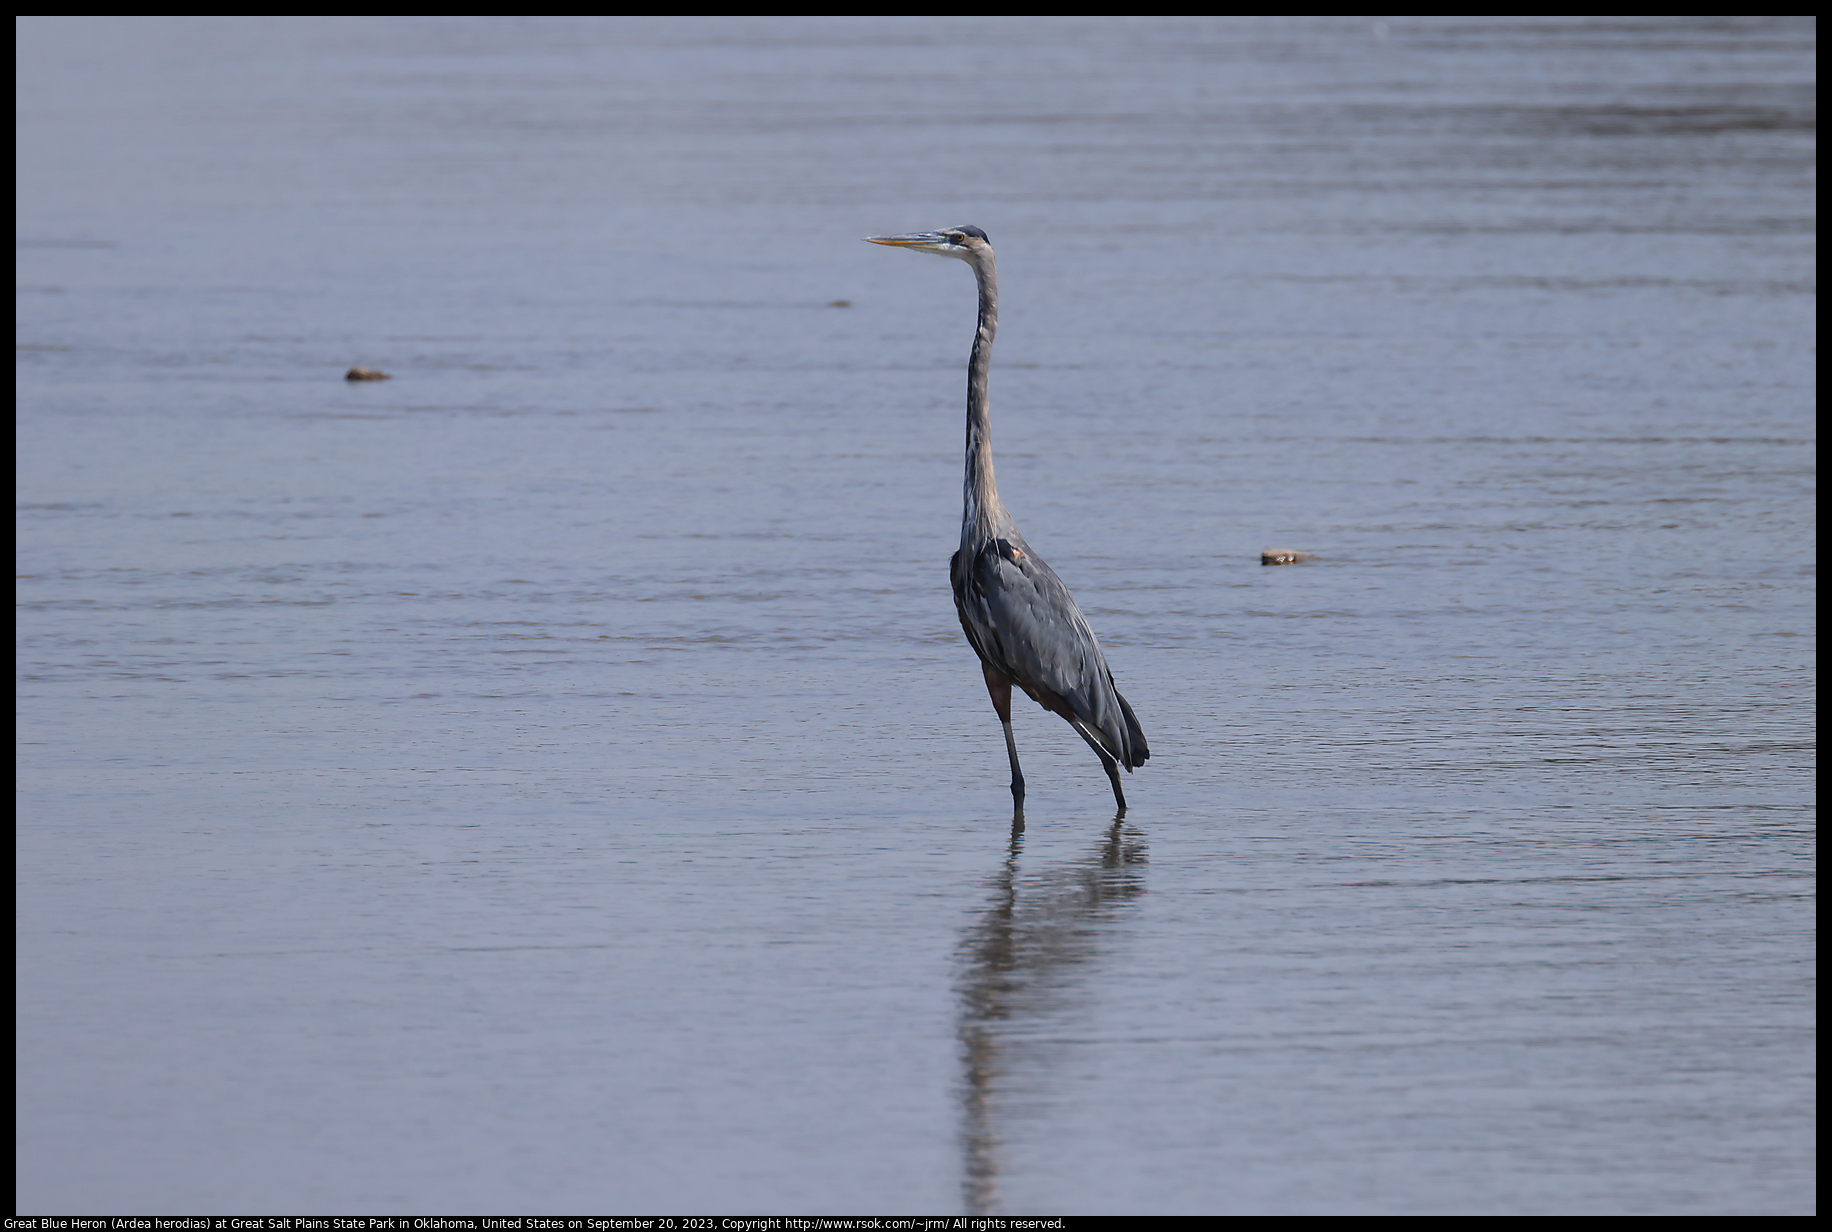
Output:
x=984 y=517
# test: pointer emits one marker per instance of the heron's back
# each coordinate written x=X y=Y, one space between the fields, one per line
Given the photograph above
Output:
x=1024 y=624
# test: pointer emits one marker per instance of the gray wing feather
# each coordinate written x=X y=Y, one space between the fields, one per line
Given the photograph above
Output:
x=1023 y=622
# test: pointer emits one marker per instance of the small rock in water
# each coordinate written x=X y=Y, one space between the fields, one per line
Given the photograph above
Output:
x=1285 y=556
x=367 y=374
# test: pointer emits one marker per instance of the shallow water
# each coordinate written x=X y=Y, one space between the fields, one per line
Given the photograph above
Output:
x=553 y=780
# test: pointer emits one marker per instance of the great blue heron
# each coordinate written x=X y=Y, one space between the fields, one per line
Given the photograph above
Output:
x=1016 y=612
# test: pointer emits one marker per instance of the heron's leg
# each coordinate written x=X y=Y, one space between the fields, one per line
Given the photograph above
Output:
x=1011 y=750
x=1113 y=776
x=999 y=685
x=1107 y=763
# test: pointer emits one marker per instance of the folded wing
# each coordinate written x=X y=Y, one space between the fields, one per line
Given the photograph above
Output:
x=1024 y=623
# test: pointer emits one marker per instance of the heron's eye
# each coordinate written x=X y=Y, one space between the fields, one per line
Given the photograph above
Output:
x=955 y=237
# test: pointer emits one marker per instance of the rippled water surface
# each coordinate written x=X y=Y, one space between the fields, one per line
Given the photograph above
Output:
x=553 y=780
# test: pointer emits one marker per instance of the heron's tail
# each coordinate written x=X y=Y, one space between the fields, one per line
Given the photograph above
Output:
x=1135 y=737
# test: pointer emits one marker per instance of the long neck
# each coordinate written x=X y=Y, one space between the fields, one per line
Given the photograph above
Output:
x=983 y=517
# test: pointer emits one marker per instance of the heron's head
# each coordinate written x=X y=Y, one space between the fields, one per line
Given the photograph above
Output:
x=967 y=243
